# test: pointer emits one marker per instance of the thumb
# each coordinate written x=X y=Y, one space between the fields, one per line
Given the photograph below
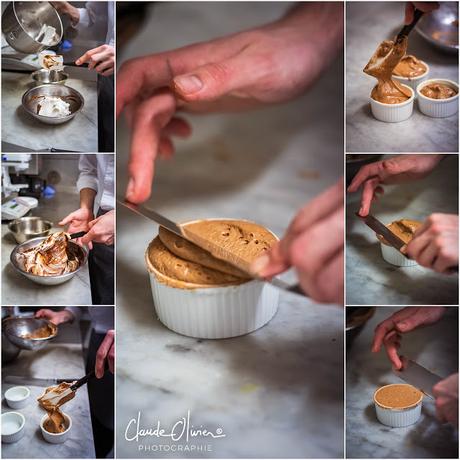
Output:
x=212 y=81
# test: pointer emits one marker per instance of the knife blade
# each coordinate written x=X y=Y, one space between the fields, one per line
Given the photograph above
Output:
x=383 y=230
x=197 y=239
x=39 y=382
x=418 y=376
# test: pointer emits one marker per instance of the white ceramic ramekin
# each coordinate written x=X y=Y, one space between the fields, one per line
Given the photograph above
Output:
x=16 y=397
x=13 y=424
x=398 y=418
x=394 y=257
x=438 y=108
x=56 y=438
x=414 y=81
x=393 y=113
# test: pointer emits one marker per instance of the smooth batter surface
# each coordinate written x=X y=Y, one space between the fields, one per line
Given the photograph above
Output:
x=188 y=266
x=398 y=396
x=409 y=66
x=404 y=229
x=381 y=66
x=51 y=401
x=53 y=256
x=438 y=91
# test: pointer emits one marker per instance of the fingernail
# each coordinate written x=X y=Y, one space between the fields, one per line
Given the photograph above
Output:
x=361 y=211
x=188 y=84
x=77 y=62
x=401 y=325
x=130 y=189
x=258 y=265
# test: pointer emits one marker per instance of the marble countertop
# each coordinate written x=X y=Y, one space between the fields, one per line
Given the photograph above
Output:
x=277 y=392
x=369 y=278
x=17 y=289
x=60 y=359
x=19 y=128
x=434 y=347
x=369 y=23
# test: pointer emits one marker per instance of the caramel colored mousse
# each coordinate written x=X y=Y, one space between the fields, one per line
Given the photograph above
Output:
x=398 y=396
x=182 y=264
x=404 y=229
x=41 y=333
x=438 y=91
x=51 y=401
x=409 y=67
x=381 y=66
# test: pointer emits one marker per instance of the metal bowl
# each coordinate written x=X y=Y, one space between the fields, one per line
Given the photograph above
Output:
x=52 y=77
x=31 y=99
x=15 y=327
x=440 y=27
x=26 y=228
x=46 y=280
x=22 y=22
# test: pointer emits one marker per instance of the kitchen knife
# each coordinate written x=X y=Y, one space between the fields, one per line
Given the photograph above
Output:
x=383 y=230
x=199 y=241
x=418 y=376
x=39 y=382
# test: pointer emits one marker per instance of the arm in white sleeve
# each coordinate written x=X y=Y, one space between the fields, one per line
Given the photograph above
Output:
x=76 y=312
x=88 y=172
x=85 y=20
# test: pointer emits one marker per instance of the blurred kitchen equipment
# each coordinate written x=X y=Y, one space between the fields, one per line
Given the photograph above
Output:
x=31 y=99
x=18 y=207
x=18 y=162
x=356 y=319
x=47 y=280
x=23 y=24
x=26 y=228
x=44 y=77
x=15 y=327
x=440 y=27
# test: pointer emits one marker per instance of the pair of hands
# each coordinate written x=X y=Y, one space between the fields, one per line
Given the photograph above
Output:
x=105 y=352
x=100 y=229
x=102 y=58
x=389 y=334
x=435 y=243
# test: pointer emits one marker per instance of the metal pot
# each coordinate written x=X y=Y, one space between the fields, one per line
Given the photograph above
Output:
x=23 y=21
x=45 y=76
x=26 y=228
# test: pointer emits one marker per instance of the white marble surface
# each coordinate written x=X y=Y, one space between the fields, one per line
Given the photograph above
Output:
x=17 y=289
x=18 y=127
x=434 y=347
x=368 y=23
x=276 y=392
x=370 y=279
x=60 y=359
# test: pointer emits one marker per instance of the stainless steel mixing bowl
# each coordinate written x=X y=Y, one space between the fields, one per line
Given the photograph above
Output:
x=45 y=76
x=440 y=27
x=17 y=326
x=46 y=280
x=31 y=99
x=22 y=23
x=26 y=228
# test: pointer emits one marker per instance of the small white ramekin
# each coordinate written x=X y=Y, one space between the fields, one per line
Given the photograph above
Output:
x=17 y=397
x=56 y=438
x=397 y=418
x=13 y=424
x=394 y=257
x=393 y=113
x=438 y=108
x=414 y=81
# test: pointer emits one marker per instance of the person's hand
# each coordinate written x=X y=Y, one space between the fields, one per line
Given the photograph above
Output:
x=426 y=7
x=266 y=65
x=401 y=168
x=435 y=243
x=106 y=352
x=388 y=332
x=313 y=245
x=101 y=59
x=101 y=230
x=66 y=9
x=56 y=317
x=446 y=399
x=78 y=220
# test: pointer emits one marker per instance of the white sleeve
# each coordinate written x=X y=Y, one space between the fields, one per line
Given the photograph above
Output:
x=85 y=20
x=88 y=172
x=76 y=312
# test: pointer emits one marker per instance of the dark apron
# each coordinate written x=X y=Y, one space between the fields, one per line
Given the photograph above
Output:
x=101 y=272
x=105 y=110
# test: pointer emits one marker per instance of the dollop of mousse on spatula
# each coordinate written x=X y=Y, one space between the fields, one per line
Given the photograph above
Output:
x=381 y=66
x=51 y=401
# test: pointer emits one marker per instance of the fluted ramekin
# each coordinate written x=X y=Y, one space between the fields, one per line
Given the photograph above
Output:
x=13 y=424
x=393 y=113
x=413 y=82
x=56 y=438
x=17 y=397
x=438 y=108
x=394 y=257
